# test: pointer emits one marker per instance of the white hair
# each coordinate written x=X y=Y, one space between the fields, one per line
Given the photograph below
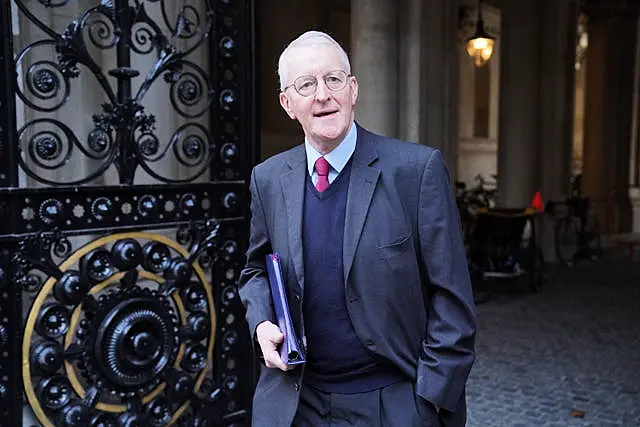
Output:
x=310 y=38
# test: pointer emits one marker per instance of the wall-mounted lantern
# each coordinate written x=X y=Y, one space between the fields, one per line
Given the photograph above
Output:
x=480 y=44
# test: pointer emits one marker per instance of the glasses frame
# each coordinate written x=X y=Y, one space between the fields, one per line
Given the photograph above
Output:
x=324 y=78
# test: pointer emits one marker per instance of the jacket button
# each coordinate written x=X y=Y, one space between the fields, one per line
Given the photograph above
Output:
x=370 y=343
x=298 y=298
x=296 y=386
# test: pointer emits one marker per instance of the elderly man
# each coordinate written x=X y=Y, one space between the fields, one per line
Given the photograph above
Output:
x=372 y=255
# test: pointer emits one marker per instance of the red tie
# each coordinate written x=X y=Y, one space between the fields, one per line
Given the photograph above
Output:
x=322 y=168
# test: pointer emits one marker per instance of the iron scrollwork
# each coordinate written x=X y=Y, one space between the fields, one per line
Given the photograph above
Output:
x=133 y=327
x=122 y=133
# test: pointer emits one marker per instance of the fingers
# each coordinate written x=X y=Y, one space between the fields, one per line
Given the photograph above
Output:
x=273 y=360
x=267 y=332
x=270 y=337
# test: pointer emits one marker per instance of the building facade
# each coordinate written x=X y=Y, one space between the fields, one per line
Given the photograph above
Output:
x=556 y=99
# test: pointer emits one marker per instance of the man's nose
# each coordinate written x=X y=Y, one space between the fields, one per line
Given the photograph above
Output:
x=322 y=91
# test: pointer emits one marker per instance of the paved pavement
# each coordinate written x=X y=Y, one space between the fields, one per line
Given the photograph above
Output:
x=568 y=356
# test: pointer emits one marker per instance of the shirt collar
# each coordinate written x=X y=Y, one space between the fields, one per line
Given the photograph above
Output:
x=338 y=157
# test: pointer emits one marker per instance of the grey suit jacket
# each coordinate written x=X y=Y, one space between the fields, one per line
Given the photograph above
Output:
x=407 y=284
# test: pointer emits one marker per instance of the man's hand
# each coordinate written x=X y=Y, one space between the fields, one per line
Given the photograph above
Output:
x=269 y=337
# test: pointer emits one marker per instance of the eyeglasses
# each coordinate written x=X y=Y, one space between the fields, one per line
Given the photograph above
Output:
x=307 y=85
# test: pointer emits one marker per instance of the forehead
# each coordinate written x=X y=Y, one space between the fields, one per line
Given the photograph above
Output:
x=313 y=60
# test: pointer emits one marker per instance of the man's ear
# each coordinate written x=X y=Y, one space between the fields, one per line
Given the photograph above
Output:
x=354 y=90
x=285 y=102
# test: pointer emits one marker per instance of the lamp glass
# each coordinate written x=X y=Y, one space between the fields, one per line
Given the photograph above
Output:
x=480 y=50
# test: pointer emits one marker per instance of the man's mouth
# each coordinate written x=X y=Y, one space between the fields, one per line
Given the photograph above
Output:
x=324 y=113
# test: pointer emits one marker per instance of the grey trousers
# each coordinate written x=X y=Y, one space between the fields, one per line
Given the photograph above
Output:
x=396 y=405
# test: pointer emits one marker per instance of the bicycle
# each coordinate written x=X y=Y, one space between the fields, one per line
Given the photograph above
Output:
x=577 y=233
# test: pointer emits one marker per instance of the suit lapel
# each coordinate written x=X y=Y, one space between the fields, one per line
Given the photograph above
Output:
x=362 y=184
x=293 y=184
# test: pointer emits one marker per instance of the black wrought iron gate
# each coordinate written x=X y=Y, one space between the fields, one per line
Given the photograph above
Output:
x=127 y=132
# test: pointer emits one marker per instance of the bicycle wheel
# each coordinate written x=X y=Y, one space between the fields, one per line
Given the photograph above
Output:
x=566 y=236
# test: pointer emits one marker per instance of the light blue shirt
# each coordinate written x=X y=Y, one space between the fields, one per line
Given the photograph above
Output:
x=337 y=158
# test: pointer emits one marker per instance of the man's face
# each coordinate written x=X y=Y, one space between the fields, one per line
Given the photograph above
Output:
x=326 y=115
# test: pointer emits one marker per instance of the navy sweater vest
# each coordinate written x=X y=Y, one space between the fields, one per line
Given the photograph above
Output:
x=337 y=362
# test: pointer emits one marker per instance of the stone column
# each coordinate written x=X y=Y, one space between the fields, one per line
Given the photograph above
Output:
x=634 y=199
x=556 y=89
x=519 y=102
x=439 y=78
x=634 y=149
x=607 y=134
x=595 y=183
x=409 y=79
x=374 y=43
x=622 y=212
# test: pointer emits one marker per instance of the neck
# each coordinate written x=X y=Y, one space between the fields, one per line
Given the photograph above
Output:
x=324 y=147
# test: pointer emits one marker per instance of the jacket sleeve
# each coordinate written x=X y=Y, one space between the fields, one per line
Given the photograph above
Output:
x=253 y=284
x=448 y=348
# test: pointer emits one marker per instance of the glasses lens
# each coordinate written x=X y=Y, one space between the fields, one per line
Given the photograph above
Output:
x=306 y=85
x=336 y=80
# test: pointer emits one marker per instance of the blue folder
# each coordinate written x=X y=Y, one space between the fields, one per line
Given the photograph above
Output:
x=291 y=352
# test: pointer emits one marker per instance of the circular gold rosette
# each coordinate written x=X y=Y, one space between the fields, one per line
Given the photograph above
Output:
x=122 y=334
